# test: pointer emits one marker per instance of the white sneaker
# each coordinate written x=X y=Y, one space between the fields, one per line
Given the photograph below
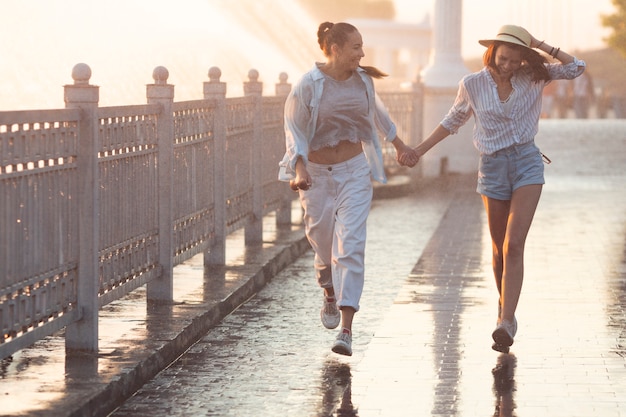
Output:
x=343 y=344
x=505 y=332
x=330 y=314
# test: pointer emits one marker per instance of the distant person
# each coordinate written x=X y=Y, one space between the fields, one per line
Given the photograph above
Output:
x=332 y=120
x=505 y=100
x=583 y=95
x=618 y=102
x=547 y=103
x=603 y=103
x=562 y=98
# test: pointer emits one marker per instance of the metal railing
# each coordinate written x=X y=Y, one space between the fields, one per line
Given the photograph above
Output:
x=98 y=201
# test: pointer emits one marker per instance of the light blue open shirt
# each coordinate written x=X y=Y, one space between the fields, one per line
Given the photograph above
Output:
x=301 y=112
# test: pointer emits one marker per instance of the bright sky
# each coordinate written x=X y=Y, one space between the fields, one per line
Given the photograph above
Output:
x=124 y=40
x=571 y=24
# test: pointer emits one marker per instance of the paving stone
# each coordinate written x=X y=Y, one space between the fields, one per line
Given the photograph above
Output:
x=422 y=340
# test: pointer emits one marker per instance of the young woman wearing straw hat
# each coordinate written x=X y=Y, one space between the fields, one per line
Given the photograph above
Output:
x=505 y=100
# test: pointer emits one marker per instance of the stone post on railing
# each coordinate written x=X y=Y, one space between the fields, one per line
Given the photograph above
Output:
x=283 y=214
x=254 y=228
x=83 y=335
x=214 y=89
x=162 y=288
x=441 y=79
x=283 y=88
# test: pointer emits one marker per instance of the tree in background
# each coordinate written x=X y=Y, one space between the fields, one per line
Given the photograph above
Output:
x=617 y=22
x=615 y=87
x=340 y=10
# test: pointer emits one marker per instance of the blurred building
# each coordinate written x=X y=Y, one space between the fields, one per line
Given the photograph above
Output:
x=400 y=49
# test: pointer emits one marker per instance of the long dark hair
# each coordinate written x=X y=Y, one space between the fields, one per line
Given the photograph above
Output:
x=534 y=61
x=330 y=33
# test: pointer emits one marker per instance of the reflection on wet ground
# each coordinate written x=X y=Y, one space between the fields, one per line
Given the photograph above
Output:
x=273 y=347
x=422 y=344
x=450 y=263
x=422 y=340
x=504 y=385
x=336 y=389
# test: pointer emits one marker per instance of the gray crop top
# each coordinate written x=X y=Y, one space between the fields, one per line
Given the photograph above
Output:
x=343 y=113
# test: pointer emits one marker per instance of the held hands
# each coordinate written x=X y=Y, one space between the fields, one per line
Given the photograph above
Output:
x=408 y=158
x=404 y=154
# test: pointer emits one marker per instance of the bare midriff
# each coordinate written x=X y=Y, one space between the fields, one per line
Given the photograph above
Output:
x=333 y=155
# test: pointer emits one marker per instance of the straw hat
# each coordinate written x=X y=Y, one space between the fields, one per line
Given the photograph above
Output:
x=511 y=34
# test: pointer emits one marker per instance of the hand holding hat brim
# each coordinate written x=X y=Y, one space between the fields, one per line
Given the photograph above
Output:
x=511 y=34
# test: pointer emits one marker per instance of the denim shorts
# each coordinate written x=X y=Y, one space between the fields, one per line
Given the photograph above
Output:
x=502 y=172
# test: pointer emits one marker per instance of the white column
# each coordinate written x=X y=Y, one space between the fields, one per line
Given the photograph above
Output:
x=162 y=288
x=441 y=79
x=253 y=231
x=446 y=66
x=83 y=334
x=214 y=89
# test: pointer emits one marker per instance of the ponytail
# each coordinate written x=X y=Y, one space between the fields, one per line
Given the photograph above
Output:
x=374 y=72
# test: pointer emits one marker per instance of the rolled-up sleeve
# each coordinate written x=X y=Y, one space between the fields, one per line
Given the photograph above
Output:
x=297 y=122
x=567 y=71
x=460 y=112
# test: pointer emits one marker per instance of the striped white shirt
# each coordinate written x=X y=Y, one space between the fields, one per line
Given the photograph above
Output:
x=495 y=129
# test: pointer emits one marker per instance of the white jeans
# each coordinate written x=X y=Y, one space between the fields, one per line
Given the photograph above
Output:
x=335 y=216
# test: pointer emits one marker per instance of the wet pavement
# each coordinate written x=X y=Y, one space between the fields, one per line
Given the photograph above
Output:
x=422 y=340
